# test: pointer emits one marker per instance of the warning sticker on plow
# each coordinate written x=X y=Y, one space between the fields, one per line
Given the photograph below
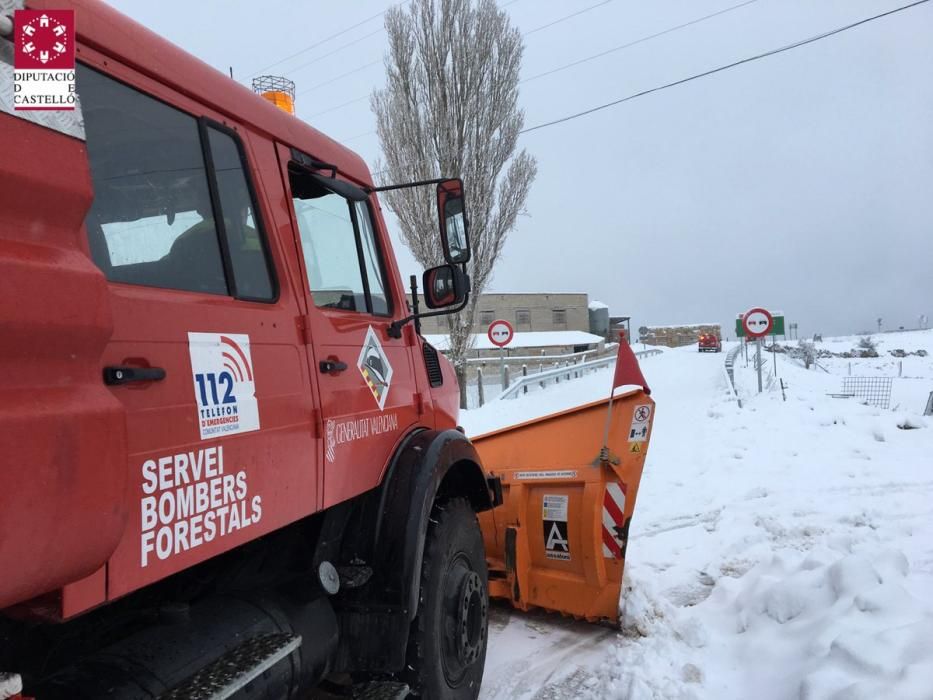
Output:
x=641 y=416
x=555 y=507
x=556 y=544
x=554 y=512
x=556 y=474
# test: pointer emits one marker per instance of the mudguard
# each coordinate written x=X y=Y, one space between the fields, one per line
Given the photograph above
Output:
x=429 y=466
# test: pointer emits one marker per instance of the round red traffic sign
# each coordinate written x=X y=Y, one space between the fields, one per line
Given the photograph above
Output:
x=500 y=333
x=757 y=322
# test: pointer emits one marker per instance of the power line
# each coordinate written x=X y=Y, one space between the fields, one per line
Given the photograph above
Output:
x=341 y=33
x=294 y=70
x=336 y=107
x=638 y=41
x=339 y=77
x=669 y=30
x=358 y=136
x=750 y=59
x=323 y=41
x=511 y=2
x=564 y=19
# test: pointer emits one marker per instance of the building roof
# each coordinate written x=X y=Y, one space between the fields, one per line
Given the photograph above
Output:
x=530 y=339
x=596 y=305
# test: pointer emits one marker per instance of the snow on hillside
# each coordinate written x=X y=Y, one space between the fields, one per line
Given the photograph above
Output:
x=784 y=549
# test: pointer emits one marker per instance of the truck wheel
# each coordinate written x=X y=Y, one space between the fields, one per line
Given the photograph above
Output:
x=447 y=646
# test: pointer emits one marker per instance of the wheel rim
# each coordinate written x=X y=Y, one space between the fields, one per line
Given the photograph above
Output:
x=466 y=610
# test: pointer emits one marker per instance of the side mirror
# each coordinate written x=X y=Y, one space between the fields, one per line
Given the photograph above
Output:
x=451 y=212
x=444 y=286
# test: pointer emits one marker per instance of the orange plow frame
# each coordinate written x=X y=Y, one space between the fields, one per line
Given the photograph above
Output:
x=558 y=540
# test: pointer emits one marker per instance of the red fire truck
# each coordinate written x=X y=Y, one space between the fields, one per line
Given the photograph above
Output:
x=709 y=342
x=229 y=460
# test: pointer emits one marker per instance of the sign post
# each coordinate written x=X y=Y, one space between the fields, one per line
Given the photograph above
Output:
x=757 y=323
x=758 y=361
x=500 y=334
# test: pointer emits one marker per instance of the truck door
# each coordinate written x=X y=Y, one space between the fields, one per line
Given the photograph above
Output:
x=368 y=395
x=204 y=354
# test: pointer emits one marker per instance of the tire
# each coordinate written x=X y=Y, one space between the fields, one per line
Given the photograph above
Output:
x=447 y=644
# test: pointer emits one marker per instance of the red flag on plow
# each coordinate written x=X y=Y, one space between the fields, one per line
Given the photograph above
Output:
x=628 y=373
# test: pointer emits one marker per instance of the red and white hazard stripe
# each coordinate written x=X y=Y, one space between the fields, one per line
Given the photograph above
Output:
x=613 y=516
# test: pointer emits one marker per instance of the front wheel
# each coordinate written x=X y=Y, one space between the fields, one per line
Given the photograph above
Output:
x=447 y=645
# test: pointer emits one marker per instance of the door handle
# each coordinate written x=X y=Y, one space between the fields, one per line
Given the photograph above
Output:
x=332 y=366
x=122 y=374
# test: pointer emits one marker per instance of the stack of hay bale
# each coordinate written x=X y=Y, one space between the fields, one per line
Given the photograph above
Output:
x=678 y=336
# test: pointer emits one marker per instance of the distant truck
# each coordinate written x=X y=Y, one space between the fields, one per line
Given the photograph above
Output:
x=709 y=342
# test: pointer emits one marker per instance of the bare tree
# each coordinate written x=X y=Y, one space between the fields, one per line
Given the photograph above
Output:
x=806 y=351
x=450 y=109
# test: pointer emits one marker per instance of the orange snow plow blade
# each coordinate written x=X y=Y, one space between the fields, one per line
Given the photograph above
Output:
x=558 y=540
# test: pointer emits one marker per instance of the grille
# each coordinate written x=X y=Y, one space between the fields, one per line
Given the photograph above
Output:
x=433 y=365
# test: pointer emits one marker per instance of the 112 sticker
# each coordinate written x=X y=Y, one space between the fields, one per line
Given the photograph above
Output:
x=224 y=383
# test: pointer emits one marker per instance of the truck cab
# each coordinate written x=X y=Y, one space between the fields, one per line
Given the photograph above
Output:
x=214 y=398
x=709 y=342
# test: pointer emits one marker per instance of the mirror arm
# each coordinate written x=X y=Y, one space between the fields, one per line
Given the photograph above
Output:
x=395 y=328
x=414 y=303
x=406 y=185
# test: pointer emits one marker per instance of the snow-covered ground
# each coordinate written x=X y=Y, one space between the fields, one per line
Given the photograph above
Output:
x=780 y=550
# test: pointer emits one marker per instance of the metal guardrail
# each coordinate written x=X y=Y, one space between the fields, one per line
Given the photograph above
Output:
x=608 y=348
x=493 y=360
x=568 y=371
x=730 y=370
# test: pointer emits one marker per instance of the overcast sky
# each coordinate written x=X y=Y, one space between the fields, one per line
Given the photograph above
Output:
x=801 y=182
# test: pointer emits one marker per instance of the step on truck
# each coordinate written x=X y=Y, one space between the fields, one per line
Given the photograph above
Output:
x=230 y=464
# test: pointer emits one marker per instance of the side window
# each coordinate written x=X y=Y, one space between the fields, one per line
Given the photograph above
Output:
x=153 y=219
x=340 y=249
x=372 y=260
x=247 y=255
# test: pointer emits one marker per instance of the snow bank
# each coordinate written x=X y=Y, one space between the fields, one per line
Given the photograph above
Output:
x=780 y=550
x=830 y=623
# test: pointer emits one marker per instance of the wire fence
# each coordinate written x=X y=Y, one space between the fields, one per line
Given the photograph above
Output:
x=875 y=391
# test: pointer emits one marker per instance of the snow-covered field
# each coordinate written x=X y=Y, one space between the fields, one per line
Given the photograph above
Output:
x=780 y=550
